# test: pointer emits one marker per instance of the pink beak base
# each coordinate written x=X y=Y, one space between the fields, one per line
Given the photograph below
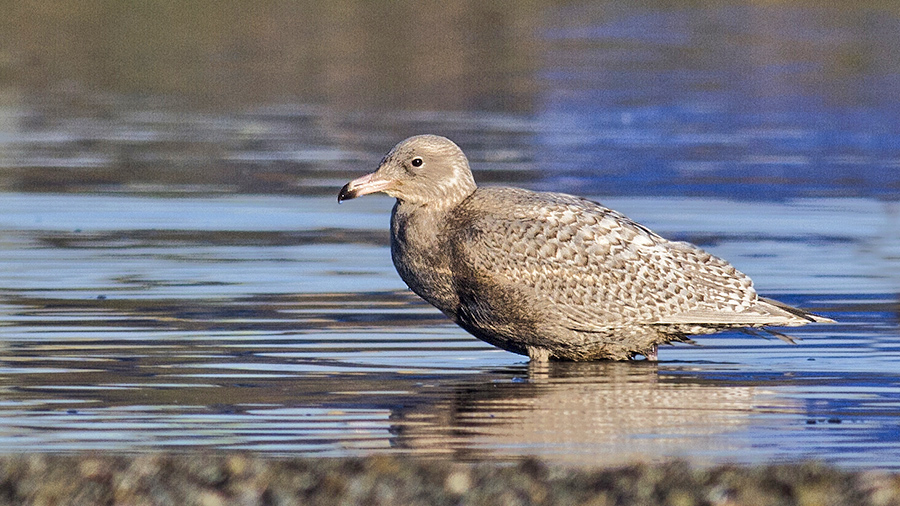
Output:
x=362 y=186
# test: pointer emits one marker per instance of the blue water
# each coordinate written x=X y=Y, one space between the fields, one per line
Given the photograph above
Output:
x=737 y=101
x=175 y=271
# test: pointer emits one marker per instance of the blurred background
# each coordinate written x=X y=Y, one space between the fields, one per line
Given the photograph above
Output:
x=749 y=99
x=175 y=271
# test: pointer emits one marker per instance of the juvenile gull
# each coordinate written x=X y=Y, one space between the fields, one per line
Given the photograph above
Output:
x=550 y=275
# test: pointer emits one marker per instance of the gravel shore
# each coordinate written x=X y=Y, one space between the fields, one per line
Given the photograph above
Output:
x=246 y=479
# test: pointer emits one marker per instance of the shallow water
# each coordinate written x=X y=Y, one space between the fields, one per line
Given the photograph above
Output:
x=277 y=324
x=175 y=273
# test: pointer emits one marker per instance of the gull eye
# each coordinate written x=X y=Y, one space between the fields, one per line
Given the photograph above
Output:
x=417 y=161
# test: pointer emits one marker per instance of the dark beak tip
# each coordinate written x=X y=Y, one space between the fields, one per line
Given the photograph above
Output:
x=346 y=193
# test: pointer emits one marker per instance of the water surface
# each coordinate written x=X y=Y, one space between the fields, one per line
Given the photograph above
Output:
x=277 y=324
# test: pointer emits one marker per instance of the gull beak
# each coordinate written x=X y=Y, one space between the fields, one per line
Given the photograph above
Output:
x=363 y=186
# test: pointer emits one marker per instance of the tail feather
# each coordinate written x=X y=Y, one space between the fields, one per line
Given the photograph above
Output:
x=764 y=313
x=764 y=333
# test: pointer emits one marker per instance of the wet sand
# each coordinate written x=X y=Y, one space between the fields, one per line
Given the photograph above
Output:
x=241 y=478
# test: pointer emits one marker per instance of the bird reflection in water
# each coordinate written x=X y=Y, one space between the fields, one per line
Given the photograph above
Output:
x=587 y=413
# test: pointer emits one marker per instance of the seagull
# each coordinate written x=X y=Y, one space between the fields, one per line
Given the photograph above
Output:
x=550 y=275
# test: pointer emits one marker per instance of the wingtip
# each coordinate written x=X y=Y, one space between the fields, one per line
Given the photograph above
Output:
x=802 y=313
x=820 y=319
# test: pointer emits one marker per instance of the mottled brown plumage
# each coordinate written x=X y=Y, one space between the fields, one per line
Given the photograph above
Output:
x=550 y=275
